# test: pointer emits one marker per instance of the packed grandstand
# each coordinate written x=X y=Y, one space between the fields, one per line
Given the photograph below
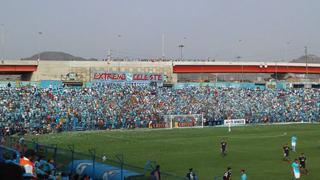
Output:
x=116 y=106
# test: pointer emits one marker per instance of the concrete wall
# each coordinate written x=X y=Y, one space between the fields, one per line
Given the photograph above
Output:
x=57 y=70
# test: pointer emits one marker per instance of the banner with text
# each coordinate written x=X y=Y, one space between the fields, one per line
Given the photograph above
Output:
x=234 y=122
x=127 y=77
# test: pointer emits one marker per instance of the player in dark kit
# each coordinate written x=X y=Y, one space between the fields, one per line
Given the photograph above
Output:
x=227 y=174
x=286 y=150
x=223 y=147
x=302 y=159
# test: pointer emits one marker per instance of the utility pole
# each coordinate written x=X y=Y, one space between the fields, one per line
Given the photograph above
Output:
x=306 y=56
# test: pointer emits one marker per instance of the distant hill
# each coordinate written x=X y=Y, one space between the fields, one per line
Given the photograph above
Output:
x=52 y=55
x=311 y=59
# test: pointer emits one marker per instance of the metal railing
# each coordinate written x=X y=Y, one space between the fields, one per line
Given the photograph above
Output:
x=64 y=157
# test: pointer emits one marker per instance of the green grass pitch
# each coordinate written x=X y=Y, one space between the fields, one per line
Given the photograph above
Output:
x=257 y=149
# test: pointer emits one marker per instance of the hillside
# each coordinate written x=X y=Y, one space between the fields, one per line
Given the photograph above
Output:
x=310 y=58
x=53 y=55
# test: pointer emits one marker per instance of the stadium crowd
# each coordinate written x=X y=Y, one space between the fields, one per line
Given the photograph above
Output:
x=113 y=106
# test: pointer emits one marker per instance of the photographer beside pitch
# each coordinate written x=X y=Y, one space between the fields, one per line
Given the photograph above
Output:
x=191 y=175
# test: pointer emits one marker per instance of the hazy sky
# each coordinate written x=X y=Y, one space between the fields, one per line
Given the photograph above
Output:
x=221 y=29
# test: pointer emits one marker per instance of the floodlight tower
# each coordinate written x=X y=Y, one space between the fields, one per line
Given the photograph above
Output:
x=181 y=46
x=39 y=39
x=163 y=46
x=306 y=56
x=2 y=41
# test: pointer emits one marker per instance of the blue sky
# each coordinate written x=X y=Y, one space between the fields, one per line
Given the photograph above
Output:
x=220 y=29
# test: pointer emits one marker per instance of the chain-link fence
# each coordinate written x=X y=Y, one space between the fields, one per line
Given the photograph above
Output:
x=67 y=160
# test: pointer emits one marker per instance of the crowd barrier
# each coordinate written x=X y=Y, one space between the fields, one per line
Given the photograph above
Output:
x=221 y=85
x=90 y=84
x=97 y=165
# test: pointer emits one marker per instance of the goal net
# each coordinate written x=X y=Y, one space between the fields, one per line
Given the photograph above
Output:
x=183 y=121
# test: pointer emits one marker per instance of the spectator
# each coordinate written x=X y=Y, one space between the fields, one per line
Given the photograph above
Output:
x=114 y=106
x=156 y=174
x=191 y=175
x=27 y=162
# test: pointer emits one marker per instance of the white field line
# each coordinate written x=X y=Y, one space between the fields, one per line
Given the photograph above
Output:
x=254 y=137
x=166 y=129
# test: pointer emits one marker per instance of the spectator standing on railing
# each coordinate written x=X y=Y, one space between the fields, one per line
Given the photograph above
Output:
x=27 y=162
x=191 y=175
x=156 y=174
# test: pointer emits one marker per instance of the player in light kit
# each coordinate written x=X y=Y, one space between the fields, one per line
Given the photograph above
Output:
x=286 y=152
x=295 y=168
x=243 y=175
x=223 y=144
x=293 y=143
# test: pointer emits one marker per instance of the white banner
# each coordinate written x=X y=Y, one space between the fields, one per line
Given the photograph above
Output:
x=234 y=122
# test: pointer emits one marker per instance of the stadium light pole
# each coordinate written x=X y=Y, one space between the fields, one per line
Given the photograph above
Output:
x=39 y=39
x=239 y=57
x=306 y=56
x=119 y=38
x=276 y=71
x=163 y=47
x=181 y=46
x=2 y=41
x=286 y=46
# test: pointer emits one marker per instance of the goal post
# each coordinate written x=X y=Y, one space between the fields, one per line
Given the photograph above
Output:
x=184 y=121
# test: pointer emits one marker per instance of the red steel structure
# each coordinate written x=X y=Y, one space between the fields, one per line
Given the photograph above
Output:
x=18 y=68
x=259 y=68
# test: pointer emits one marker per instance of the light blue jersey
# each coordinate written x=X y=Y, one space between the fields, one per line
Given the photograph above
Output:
x=293 y=140
x=295 y=167
x=243 y=176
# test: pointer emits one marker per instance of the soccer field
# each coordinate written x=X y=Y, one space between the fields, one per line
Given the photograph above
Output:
x=257 y=149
